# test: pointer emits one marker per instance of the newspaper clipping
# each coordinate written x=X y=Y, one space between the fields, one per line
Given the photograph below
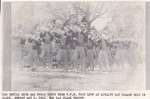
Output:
x=75 y=49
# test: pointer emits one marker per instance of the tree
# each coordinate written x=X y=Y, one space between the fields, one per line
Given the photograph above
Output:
x=90 y=12
x=82 y=14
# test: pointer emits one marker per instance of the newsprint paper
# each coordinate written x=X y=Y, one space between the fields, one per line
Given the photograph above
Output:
x=75 y=49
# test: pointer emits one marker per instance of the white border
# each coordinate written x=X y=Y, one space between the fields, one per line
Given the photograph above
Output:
x=77 y=0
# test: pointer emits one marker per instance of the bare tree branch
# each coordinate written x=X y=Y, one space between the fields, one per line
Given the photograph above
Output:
x=100 y=13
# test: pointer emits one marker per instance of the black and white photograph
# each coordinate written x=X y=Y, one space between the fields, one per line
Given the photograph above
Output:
x=75 y=46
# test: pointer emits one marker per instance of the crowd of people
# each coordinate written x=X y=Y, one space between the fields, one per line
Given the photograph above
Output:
x=69 y=48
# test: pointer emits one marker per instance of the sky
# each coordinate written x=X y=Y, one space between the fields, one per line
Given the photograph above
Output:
x=26 y=14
